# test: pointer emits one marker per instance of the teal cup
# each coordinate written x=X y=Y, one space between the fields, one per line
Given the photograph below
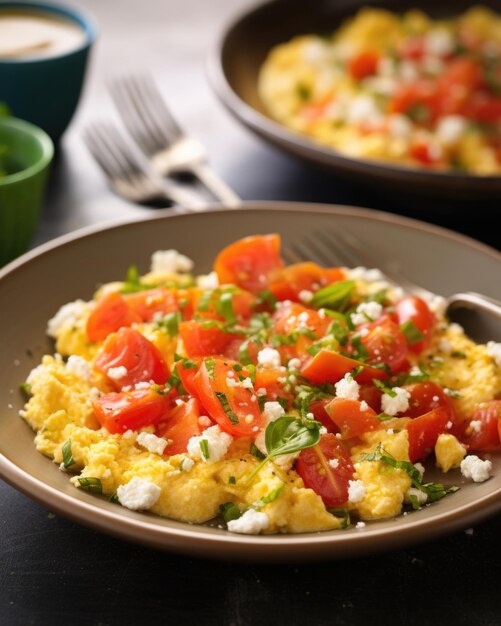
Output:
x=45 y=90
x=26 y=152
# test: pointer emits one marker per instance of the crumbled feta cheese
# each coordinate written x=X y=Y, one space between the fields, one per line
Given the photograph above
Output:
x=473 y=467
x=79 y=367
x=218 y=443
x=476 y=425
x=142 y=385
x=138 y=494
x=408 y=71
x=419 y=495
x=420 y=468
x=347 y=387
x=436 y=304
x=398 y=404
x=170 y=261
x=272 y=411
x=439 y=42
x=362 y=273
x=360 y=525
x=363 y=109
x=450 y=129
x=186 y=464
x=367 y=312
x=67 y=316
x=129 y=434
x=305 y=295
x=252 y=522
x=303 y=319
x=269 y=358
x=399 y=126
x=211 y=281
x=445 y=346
x=246 y=383
x=116 y=373
x=323 y=430
x=294 y=364
x=334 y=463
x=152 y=443
x=494 y=349
x=364 y=406
x=356 y=491
x=204 y=421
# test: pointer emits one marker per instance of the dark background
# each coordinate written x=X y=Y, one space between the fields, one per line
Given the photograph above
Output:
x=53 y=571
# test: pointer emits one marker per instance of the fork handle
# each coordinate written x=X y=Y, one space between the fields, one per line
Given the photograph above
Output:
x=216 y=185
x=472 y=300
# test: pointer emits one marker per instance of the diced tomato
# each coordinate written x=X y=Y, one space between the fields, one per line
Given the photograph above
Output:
x=424 y=153
x=460 y=82
x=372 y=395
x=129 y=349
x=249 y=262
x=321 y=415
x=110 y=313
x=242 y=303
x=350 y=419
x=201 y=341
x=187 y=375
x=328 y=366
x=424 y=431
x=316 y=109
x=288 y=282
x=234 y=408
x=272 y=380
x=418 y=99
x=180 y=425
x=130 y=410
x=151 y=302
x=412 y=48
x=484 y=434
x=426 y=396
x=385 y=343
x=236 y=351
x=292 y=317
x=363 y=64
x=414 y=309
x=329 y=481
x=483 y=107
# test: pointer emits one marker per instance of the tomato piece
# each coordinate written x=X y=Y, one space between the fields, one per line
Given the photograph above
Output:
x=484 y=435
x=181 y=424
x=315 y=110
x=242 y=303
x=329 y=367
x=483 y=107
x=330 y=483
x=385 y=343
x=152 y=302
x=288 y=282
x=292 y=317
x=415 y=309
x=412 y=48
x=424 y=431
x=350 y=419
x=320 y=414
x=418 y=99
x=372 y=395
x=109 y=315
x=249 y=262
x=129 y=349
x=201 y=341
x=272 y=380
x=130 y=410
x=424 y=153
x=363 y=64
x=426 y=396
x=234 y=408
x=187 y=375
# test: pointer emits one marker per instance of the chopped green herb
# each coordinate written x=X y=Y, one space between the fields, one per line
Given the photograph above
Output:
x=132 y=283
x=255 y=451
x=452 y=393
x=272 y=496
x=170 y=323
x=418 y=112
x=204 y=447
x=230 y=511
x=226 y=304
x=458 y=355
x=344 y=514
x=266 y=297
x=226 y=407
x=68 y=459
x=162 y=390
x=411 y=332
x=336 y=296
x=210 y=364
x=384 y=388
x=232 y=480
x=384 y=418
x=114 y=498
x=26 y=389
x=93 y=485
x=303 y=91
x=360 y=351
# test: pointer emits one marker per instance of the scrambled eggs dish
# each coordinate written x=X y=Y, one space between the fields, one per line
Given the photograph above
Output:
x=400 y=88
x=282 y=399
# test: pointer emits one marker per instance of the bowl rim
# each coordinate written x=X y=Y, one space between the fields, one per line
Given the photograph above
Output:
x=43 y=140
x=265 y=126
x=75 y=14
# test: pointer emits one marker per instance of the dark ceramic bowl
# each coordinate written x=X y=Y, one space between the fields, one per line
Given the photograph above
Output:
x=243 y=47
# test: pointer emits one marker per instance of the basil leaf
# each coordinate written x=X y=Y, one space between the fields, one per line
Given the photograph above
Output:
x=411 y=332
x=336 y=296
x=255 y=451
x=287 y=435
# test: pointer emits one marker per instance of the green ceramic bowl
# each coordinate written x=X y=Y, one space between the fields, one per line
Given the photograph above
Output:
x=25 y=155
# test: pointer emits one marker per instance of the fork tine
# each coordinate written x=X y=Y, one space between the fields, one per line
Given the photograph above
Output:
x=156 y=104
x=103 y=150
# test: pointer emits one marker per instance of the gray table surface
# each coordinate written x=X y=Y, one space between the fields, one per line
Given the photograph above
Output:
x=53 y=571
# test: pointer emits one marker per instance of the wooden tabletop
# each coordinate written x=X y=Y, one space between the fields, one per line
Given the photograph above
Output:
x=53 y=571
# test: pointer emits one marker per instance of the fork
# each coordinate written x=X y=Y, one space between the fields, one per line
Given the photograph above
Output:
x=128 y=175
x=348 y=250
x=151 y=124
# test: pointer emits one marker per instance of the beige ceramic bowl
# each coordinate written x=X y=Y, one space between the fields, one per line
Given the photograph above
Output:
x=36 y=285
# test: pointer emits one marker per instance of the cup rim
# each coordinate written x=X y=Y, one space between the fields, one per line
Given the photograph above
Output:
x=71 y=12
x=43 y=139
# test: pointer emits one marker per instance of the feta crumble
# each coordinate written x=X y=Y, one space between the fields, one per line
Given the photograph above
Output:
x=170 y=261
x=305 y=295
x=473 y=467
x=138 y=494
x=347 y=388
x=78 y=366
x=366 y=312
x=356 y=491
x=186 y=464
x=269 y=358
x=152 y=443
x=398 y=404
x=218 y=443
x=272 y=411
x=67 y=316
x=116 y=373
x=252 y=522
x=210 y=281
x=494 y=350
x=419 y=495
